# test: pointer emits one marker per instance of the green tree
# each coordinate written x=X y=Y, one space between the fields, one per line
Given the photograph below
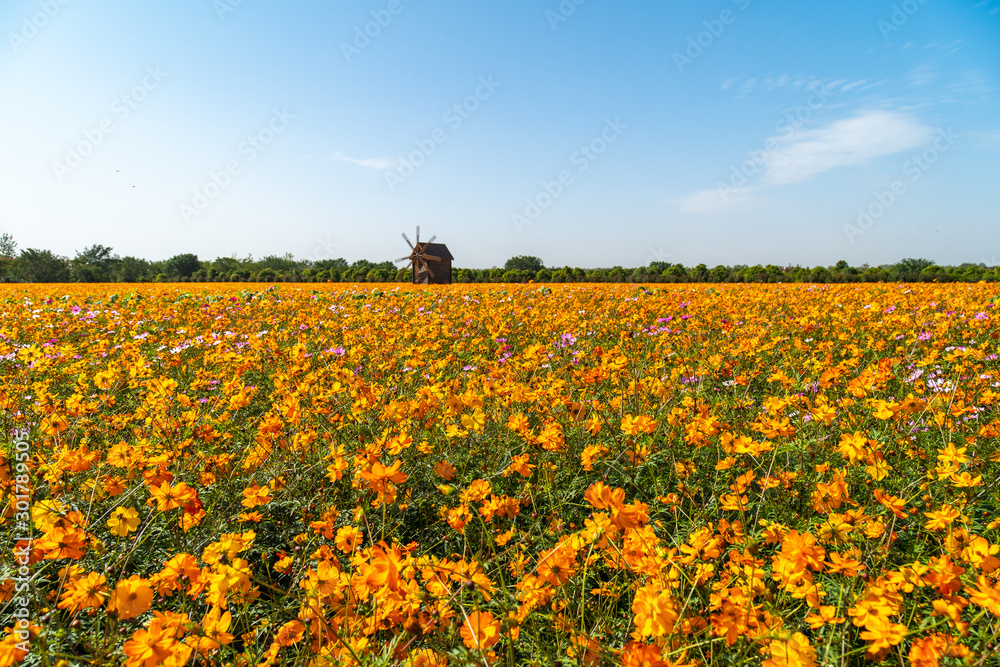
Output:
x=362 y=266
x=909 y=268
x=132 y=270
x=970 y=273
x=182 y=266
x=754 y=273
x=95 y=264
x=8 y=255
x=720 y=273
x=41 y=266
x=525 y=263
x=874 y=274
x=284 y=264
x=226 y=265
x=774 y=273
x=676 y=270
x=820 y=274
x=338 y=264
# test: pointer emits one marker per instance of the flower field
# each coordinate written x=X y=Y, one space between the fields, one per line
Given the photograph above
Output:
x=515 y=475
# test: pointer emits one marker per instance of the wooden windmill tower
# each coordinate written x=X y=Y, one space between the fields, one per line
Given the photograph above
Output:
x=429 y=262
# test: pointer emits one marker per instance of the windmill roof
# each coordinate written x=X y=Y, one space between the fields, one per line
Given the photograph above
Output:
x=436 y=249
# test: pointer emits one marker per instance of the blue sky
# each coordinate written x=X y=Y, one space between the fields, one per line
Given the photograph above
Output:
x=590 y=134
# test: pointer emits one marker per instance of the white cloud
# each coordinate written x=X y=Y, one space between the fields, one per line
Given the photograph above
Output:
x=853 y=84
x=782 y=81
x=370 y=163
x=846 y=142
x=803 y=154
x=748 y=86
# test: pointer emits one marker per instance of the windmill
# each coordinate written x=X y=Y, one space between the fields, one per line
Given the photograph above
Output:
x=429 y=262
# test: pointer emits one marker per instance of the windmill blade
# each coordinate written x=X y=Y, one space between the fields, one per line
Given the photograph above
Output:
x=431 y=257
x=432 y=240
x=405 y=238
x=403 y=259
x=427 y=268
x=418 y=235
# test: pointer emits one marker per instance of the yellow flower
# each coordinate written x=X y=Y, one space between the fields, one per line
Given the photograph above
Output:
x=123 y=521
x=793 y=651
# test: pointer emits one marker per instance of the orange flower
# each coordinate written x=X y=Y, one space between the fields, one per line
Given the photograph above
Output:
x=215 y=626
x=289 y=633
x=480 y=630
x=802 y=550
x=853 y=447
x=445 y=470
x=63 y=542
x=601 y=497
x=986 y=596
x=654 y=612
x=85 y=593
x=635 y=654
x=637 y=425
x=892 y=503
x=425 y=657
x=254 y=496
x=381 y=479
x=520 y=465
x=349 y=538
x=927 y=651
x=793 y=651
x=180 y=566
x=383 y=568
x=381 y=473
x=730 y=622
x=151 y=647
x=883 y=633
x=132 y=597
x=941 y=519
x=169 y=497
x=826 y=614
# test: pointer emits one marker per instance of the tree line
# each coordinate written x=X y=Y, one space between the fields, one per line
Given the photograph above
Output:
x=99 y=264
